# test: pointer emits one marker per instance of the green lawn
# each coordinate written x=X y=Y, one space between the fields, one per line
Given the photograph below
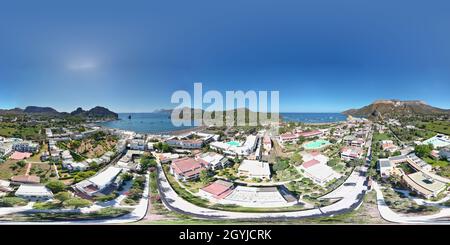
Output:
x=379 y=137
x=442 y=127
x=436 y=163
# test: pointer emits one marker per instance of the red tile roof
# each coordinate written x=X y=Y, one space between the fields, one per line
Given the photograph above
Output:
x=310 y=163
x=219 y=189
x=31 y=179
x=310 y=133
x=20 y=155
x=187 y=166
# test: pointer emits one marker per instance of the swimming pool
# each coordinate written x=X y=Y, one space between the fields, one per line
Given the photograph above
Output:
x=316 y=144
x=233 y=143
x=437 y=141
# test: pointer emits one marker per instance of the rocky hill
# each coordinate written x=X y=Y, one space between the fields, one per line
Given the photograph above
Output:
x=383 y=108
x=97 y=112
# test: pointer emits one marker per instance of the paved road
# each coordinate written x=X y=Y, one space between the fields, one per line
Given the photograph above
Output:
x=137 y=214
x=443 y=217
x=351 y=198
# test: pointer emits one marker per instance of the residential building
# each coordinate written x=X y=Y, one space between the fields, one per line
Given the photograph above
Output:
x=424 y=184
x=137 y=144
x=315 y=168
x=100 y=184
x=26 y=146
x=213 y=160
x=351 y=153
x=254 y=169
x=311 y=133
x=185 y=143
x=388 y=145
x=267 y=144
x=185 y=169
x=445 y=153
x=385 y=167
x=6 y=148
x=34 y=192
x=288 y=138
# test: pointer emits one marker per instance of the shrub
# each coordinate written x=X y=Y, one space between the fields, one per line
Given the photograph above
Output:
x=12 y=202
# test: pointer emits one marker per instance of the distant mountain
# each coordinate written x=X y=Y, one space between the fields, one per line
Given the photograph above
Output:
x=96 y=112
x=393 y=107
x=228 y=114
x=41 y=110
x=11 y=111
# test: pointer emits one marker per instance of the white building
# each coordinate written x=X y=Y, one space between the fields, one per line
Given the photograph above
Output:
x=213 y=160
x=99 y=183
x=254 y=169
x=315 y=168
x=5 y=148
x=34 y=192
x=26 y=146
x=385 y=166
x=445 y=153
x=137 y=144
x=351 y=153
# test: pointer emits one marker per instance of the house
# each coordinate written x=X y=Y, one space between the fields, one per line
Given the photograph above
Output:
x=100 y=184
x=348 y=139
x=385 y=166
x=65 y=155
x=26 y=146
x=137 y=144
x=4 y=187
x=45 y=156
x=288 y=138
x=267 y=144
x=186 y=168
x=351 y=153
x=217 y=190
x=213 y=160
x=388 y=145
x=254 y=169
x=358 y=142
x=185 y=143
x=34 y=192
x=167 y=157
x=445 y=153
x=6 y=148
x=250 y=144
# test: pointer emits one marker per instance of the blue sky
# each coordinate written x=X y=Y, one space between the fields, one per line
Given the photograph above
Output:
x=323 y=56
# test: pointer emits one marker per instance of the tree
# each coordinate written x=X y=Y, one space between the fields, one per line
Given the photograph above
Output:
x=56 y=186
x=163 y=147
x=423 y=150
x=76 y=203
x=126 y=176
x=333 y=162
x=296 y=159
x=355 y=163
x=281 y=164
x=204 y=177
x=146 y=163
x=63 y=196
